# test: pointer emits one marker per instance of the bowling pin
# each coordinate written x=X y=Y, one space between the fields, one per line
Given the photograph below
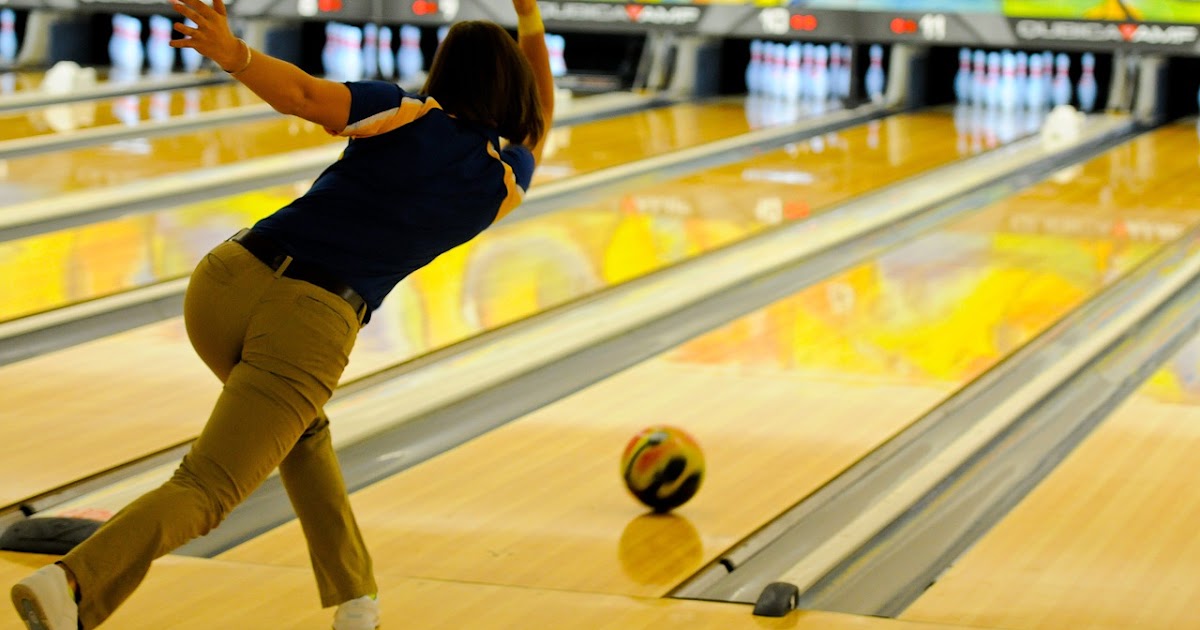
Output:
x=1022 y=76
x=773 y=77
x=409 y=60
x=1008 y=80
x=370 y=51
x=847 y=69
x=835 y=70
x=1062 y=80
x=558 y=60
x=874 y=80
x=1035 y=95
x=441 y=34
x=807 y=58
x=329 y=50
x=820 y=86
x=354 y=55
x=136 y=52
x=979 y=77
x=117 y=52
x=1087 y=83
x=792 y=79
x=158 y=50
x=1047 y=75
x=8 y=37
x=387 y=59
x=754 y=67
x=993 y=79
x=962 y=80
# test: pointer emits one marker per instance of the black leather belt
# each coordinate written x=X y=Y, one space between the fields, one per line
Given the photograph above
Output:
x=273 y=256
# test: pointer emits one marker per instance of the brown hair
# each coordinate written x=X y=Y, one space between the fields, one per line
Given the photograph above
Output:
x=479 y=74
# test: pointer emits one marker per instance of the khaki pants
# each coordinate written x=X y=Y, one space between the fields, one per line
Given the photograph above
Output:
x=279 y=345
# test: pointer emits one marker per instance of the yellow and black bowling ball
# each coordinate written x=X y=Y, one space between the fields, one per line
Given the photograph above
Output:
x=663 y=467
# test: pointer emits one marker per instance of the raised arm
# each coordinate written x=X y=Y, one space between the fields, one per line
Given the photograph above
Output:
x=531 y=35
x=282 y=85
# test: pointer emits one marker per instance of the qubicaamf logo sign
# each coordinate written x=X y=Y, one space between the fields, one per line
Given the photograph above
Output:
x=1174 y=35
x=622 y=13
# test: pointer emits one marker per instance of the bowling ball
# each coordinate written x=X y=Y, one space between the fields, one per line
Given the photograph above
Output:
x=663 y=467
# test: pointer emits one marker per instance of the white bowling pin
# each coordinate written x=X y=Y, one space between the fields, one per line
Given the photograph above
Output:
x=807 y=58
x=1087 y=83
x=1035 y=94
x=792 y=78
x=773 y=73
x=1047 y=75
x=820 y=86
x=979 y=77
x=387 y=58
x=1062 y=80
x=994 y=61
x=158 y=50
x=409 y=60
x=558 y=60
x=1008 y=80
x=370 y=51
x=835 y=70
x=875 y=76
x=329 y=51
x=962 y=80
x=354 y=54
x=561 y=55
x=1022 y=76
x=754 y=67
x=133 y=40
x=779 y=79
x=116 y=47
x=847 y=70
x=8 y=37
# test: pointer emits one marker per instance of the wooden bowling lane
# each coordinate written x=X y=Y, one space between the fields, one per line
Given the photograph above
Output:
x=70 y=266
x=44 y=175
x=1108 y=540
x=511 y=271
x=782 y=400
x=190 y=594
x=129 y=110
x=578 y=149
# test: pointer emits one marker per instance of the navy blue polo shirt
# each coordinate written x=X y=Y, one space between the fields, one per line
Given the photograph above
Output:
x=412 y=183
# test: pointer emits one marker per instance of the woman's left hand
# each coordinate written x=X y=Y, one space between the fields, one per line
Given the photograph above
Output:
x=211 y=36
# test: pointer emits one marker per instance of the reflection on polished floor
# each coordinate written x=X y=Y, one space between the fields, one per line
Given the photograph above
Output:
x=783 y=399
x=130 y=111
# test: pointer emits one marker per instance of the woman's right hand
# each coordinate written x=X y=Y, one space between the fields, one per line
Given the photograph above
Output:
x=211 y=36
